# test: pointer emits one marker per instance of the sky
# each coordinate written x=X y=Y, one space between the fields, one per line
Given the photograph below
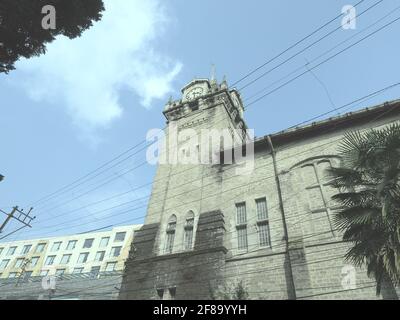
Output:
x=87 y=100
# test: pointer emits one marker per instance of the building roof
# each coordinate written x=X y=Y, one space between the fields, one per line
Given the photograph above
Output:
x=347 y=120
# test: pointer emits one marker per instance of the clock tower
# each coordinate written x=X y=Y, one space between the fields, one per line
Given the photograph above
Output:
x=184 y=218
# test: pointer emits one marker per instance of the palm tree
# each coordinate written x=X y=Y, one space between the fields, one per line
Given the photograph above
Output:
x=369 y=199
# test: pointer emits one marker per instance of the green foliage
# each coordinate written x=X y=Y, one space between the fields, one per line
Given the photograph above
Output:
x=21 y=32
x=231 y=292
x=369 y=218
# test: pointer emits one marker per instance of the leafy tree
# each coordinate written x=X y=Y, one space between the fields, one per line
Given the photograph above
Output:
x=21 y=31
x=369 y=218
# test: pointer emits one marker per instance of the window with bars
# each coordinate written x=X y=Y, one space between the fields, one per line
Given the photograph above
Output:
x=263 y=223
x=189 y=225
x=241 y=225
x=241 y=213
x=263 y=234
x=171 y=227
x=242 y=237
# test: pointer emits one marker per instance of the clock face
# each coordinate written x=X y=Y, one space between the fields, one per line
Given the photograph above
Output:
x=194 y=93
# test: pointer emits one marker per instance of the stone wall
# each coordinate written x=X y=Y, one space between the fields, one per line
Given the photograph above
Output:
x=182 y=275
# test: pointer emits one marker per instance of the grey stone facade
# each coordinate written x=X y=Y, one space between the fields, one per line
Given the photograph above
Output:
x=305 y=263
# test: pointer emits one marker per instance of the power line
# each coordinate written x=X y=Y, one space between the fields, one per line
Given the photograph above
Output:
x=324 y=61
x=137 y=145
x=291 y=47
x=304 y=49
x=326 y=52
x=186 y=203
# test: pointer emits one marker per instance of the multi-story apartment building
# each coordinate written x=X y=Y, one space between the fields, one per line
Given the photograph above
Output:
x=80 y=256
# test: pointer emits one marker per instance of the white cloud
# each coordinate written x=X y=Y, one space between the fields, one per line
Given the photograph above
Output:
x=85 y=75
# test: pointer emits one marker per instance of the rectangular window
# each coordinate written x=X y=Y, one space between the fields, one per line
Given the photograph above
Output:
x=241 y=213
x=99 y=256
x=95 y=271
x=50 y=260
x=88 y=243
x=65 y=259
x=242 y=237
x=262 y=223
x=34 y=261
x=11 y=251
x=111 y=266
x=120 y=236
x=60 y=272
x=104 y=242
x=263 y=233
x=44 y=273
x=115 y=251
x=241 y=225
x=71 y=244
x=262 y=213
x=169 y=245
x=26 y=249
x=188 y=238
x=83 y=257
x=40 y=247
x=77 y=270
x=27 y=274
x=19 y=262
x=4 y=264
x=56 y=246
x=12 y=275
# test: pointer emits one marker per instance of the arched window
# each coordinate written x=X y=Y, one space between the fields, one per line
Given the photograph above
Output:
x=188 y=234
x=318 y=190
x=171 y=227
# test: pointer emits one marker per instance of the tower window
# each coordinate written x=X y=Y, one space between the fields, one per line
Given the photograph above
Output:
x=189 y=224
x=241 y=225
x=160 y=293
x=171 y=227
x=194 y=105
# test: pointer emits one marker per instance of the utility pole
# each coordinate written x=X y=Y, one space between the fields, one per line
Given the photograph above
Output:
x=23 y=270
x=20 y=216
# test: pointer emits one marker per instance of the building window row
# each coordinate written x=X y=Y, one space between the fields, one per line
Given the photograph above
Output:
x=71 y=245
x=188 y=233
x=262 y=224
x=65 y=259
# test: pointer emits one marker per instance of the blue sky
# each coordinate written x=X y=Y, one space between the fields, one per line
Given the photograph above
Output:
x=87 y=100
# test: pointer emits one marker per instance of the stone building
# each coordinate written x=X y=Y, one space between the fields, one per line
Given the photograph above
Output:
x=267 y=223
x=82 y=266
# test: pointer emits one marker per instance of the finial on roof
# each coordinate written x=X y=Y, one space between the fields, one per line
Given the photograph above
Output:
x=212 y=77
x=224 y=83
